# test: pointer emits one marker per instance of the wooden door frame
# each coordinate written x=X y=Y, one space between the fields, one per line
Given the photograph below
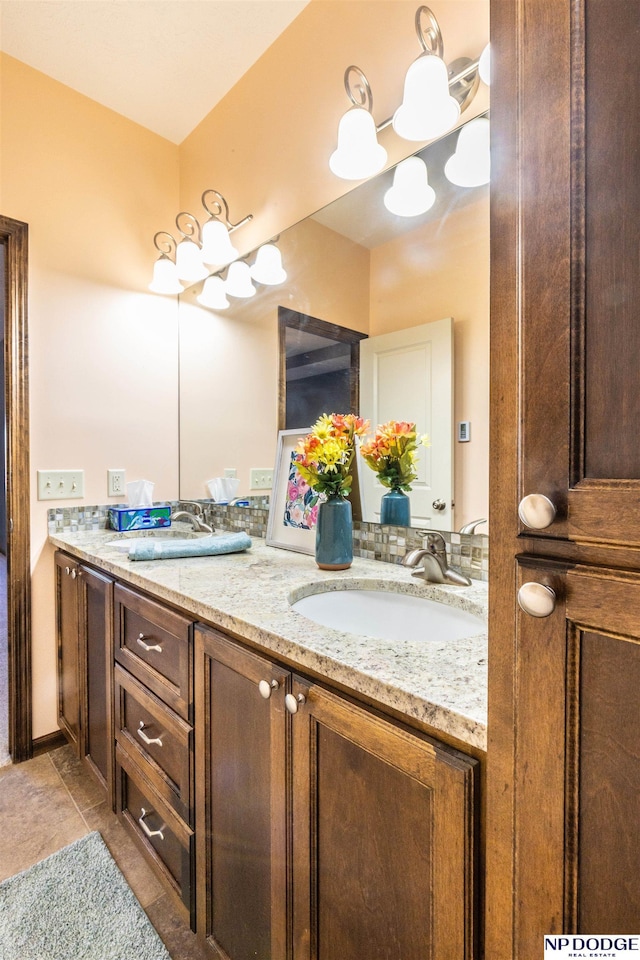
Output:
x=14 y=237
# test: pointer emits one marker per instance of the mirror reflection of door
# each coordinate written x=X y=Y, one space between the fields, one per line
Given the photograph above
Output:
x=319 y=369
x=408 y=375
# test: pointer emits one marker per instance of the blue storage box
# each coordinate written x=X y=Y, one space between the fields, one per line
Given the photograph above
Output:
x=139 y=518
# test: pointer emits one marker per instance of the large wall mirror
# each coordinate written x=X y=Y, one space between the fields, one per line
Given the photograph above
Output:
x=353 y=265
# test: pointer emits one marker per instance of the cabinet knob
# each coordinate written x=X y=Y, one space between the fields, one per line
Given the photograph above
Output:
x=536 y=511
x=74 y=574
x=536 y=599
x=67 y=570
x=266 y=688
x=292 y=703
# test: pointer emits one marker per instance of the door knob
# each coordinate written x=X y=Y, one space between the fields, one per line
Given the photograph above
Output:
x=439 y=505
x=266 y=688
x=292 y=703
x=536 y=599
x=536 y=511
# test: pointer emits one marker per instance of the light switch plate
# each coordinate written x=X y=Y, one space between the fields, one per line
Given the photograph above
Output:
x=60 y=484
x=261 y=478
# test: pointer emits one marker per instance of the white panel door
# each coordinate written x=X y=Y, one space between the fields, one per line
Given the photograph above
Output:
x=408 y=375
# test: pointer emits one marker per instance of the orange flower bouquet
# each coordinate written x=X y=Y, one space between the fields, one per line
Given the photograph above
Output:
x=325 y=455
x=392 y=453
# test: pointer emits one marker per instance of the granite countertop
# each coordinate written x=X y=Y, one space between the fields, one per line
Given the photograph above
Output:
x=441 y=684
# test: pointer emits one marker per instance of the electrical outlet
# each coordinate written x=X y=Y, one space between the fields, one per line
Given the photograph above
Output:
x=115 y=483
x=230 y=472
x=260 y=478
x=60 y=484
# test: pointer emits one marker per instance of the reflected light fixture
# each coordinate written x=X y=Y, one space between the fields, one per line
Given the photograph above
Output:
x=238 y=282
x=411 y=193
x=268 y=268
x=199 y=247
x=358 y=154
x=165 y=276
x=213 y=294
x=428 y=110
x=470 y=165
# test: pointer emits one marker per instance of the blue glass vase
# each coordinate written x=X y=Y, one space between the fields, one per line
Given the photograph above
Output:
x=395 y=508
x=334 y=534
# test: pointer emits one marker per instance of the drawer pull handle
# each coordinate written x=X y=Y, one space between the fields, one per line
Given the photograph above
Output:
x=145 y=738
x=145 y=828
x=266 y=688
x=147 y=646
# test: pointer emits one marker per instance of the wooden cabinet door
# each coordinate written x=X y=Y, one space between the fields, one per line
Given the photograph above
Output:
x=565 y=222
x=96 y=645
x=383 y=838
x=69 y=660
x=241 y=800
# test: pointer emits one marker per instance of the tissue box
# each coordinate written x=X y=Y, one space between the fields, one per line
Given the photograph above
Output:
x=139 y=518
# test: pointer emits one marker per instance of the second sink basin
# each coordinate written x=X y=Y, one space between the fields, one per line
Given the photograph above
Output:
x=389 y=616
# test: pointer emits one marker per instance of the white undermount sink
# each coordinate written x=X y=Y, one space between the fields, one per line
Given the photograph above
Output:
x=389 y=616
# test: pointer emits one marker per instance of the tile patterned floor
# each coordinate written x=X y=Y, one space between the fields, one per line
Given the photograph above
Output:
x=50 y=801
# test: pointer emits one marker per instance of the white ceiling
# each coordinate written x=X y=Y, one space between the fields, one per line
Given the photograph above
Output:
x=162 y=63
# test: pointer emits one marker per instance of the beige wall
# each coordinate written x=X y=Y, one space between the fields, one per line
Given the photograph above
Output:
x=93 y=188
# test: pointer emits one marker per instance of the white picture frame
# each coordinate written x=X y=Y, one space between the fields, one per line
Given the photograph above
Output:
x=280 y=531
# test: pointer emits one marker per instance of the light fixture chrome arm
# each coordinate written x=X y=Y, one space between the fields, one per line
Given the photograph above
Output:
x=167 y=246
x=429 y=34
x=221 y=206
x=359 y=93
x=191 y=225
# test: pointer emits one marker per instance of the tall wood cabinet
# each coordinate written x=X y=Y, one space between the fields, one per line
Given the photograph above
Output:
x=563 y=830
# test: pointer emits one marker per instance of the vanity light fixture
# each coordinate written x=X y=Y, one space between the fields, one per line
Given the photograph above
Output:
x=411 y=193
x=428 y=110
x=358 y=154
x=200 y=248
x=238 y=282
x=434 y=97
x=213 y=294
x=165 y=276
x=267 y=268
x=470 y=165
x=484 y=65
x=189 y=265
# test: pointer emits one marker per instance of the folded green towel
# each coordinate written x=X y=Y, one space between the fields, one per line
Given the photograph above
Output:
x=148 y=549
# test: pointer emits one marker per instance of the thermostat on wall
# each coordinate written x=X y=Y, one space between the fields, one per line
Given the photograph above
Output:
x=464 y=431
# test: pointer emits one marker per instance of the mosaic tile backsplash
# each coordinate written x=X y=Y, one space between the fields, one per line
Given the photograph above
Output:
x=469 y=553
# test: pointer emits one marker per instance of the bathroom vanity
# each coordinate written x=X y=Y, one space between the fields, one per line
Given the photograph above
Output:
x=302 y=790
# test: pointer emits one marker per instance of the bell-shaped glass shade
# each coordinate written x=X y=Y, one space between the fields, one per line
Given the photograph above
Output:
x=268 y=267
x=484 y=65
x=427 y=110
x=189 y=265
x=213 y=294
x=238 y=283
x=411 y=193
x=217 y=248
x=358 y=155
x=165 y=277
x=470 y=165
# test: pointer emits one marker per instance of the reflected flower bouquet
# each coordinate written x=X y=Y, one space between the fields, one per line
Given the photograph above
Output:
x=393 y=454
x=325 y=455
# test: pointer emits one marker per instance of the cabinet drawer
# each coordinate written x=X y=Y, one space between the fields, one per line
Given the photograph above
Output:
x=157 y=740
x=164 y=837
x=153 y=643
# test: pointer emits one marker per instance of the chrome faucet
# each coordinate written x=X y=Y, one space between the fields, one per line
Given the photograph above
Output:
x=435 y=566
x=471 y=527
x=195 y=518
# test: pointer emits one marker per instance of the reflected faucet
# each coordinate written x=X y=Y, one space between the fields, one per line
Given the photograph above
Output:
x=195 y=518
x=435 y=566
x=471 y=527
